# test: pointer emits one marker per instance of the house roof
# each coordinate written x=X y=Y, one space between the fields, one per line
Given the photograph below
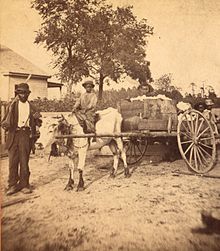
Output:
x=14 y=64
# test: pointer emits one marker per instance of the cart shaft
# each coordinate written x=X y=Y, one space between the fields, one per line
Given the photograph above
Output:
x=118 y=135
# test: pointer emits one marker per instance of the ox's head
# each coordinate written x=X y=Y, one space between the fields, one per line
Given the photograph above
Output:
x=63 y=126
x=59 y=126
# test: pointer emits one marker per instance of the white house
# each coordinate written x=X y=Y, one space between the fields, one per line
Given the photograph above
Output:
x=15 y=69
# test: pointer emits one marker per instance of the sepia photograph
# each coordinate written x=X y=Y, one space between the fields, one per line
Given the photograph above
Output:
x=110 y=125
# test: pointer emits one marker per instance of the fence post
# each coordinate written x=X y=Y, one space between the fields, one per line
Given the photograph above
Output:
x=3 y=110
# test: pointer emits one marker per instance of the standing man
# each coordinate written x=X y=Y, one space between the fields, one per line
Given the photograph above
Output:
x=85 y=107
x=21 y=122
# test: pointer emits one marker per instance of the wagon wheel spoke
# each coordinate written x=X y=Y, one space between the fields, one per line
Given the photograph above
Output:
x=187 y=121
x=127 y=145
x=199 y=157
x=192 y=123
x=207 y=153
x=207 y=138
x=186 y=128
x=130 y=150
x=207 y=146
x=200 y=162
x=206 y=129
x=200 y=126
x=195 y=158
x=196 y=123
x=203 y=157
x=136 y=150
x=139 y=149
x=190 y=146
x=190 y=155
x=185 y=134
x=186 y=142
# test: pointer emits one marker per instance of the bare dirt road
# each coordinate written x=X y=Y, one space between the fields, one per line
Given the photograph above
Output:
x=155 y=209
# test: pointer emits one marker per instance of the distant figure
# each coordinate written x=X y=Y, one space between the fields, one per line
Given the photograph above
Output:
x=145 y=89
x=209 y=115
x=85 y=108
x=205 y=107
x=22 y=122
x=200 y=106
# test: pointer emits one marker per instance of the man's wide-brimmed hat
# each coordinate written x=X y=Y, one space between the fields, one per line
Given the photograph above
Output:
x=23 y=87
x=88 y=82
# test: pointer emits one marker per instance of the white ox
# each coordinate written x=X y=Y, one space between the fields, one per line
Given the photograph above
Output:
x=109 y=123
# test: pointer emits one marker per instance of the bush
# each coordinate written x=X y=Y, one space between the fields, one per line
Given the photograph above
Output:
x=110 y=99
x=46 y=105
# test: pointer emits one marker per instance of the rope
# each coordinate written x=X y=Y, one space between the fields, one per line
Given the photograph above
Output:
x=80 y=147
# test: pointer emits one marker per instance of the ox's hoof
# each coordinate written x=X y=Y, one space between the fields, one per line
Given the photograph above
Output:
x=80 y=186
x=112 y=175
x=69 y=185
x=127 y=173
x=80 y=189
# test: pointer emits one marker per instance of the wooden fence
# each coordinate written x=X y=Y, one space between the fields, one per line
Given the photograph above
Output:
x=2 y=114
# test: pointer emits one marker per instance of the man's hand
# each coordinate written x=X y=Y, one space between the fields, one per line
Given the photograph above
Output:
x=39 y=122
x=5 y=125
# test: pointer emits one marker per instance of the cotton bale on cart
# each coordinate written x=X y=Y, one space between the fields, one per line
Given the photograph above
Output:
x=155 y=119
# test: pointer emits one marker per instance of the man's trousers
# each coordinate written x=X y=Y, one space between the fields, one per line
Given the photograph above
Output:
x=86 y=120
x=19 y=154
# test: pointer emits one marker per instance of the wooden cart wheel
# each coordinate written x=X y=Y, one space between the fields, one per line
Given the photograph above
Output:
x=196 y=141
x=135 y=148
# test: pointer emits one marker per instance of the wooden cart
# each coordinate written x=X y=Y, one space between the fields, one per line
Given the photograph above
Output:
x=153 y=120
x=157 y=120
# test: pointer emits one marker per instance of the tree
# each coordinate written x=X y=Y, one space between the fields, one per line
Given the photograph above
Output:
x=88 y=38
x=163 y=85
x=164 y=82
x=193 y=85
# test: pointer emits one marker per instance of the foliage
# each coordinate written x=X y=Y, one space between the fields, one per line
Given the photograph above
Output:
x=46 y=105
x=110 y=99
x=88 y=38
x=164 y=82
x=164 y=86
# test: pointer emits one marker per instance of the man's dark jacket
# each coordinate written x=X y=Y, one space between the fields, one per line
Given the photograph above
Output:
x=12 y=121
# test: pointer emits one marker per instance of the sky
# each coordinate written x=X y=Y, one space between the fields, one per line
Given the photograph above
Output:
x=186 y=40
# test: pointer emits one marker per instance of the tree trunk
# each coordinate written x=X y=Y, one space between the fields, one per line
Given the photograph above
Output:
x=101 y=83
x=69 y=88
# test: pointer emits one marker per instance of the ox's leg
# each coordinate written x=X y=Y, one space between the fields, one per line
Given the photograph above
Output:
x=123 y=156
x=81 y=164
x=120 y=146
x=115 y=152
x=70 y=183
x=80 y=186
